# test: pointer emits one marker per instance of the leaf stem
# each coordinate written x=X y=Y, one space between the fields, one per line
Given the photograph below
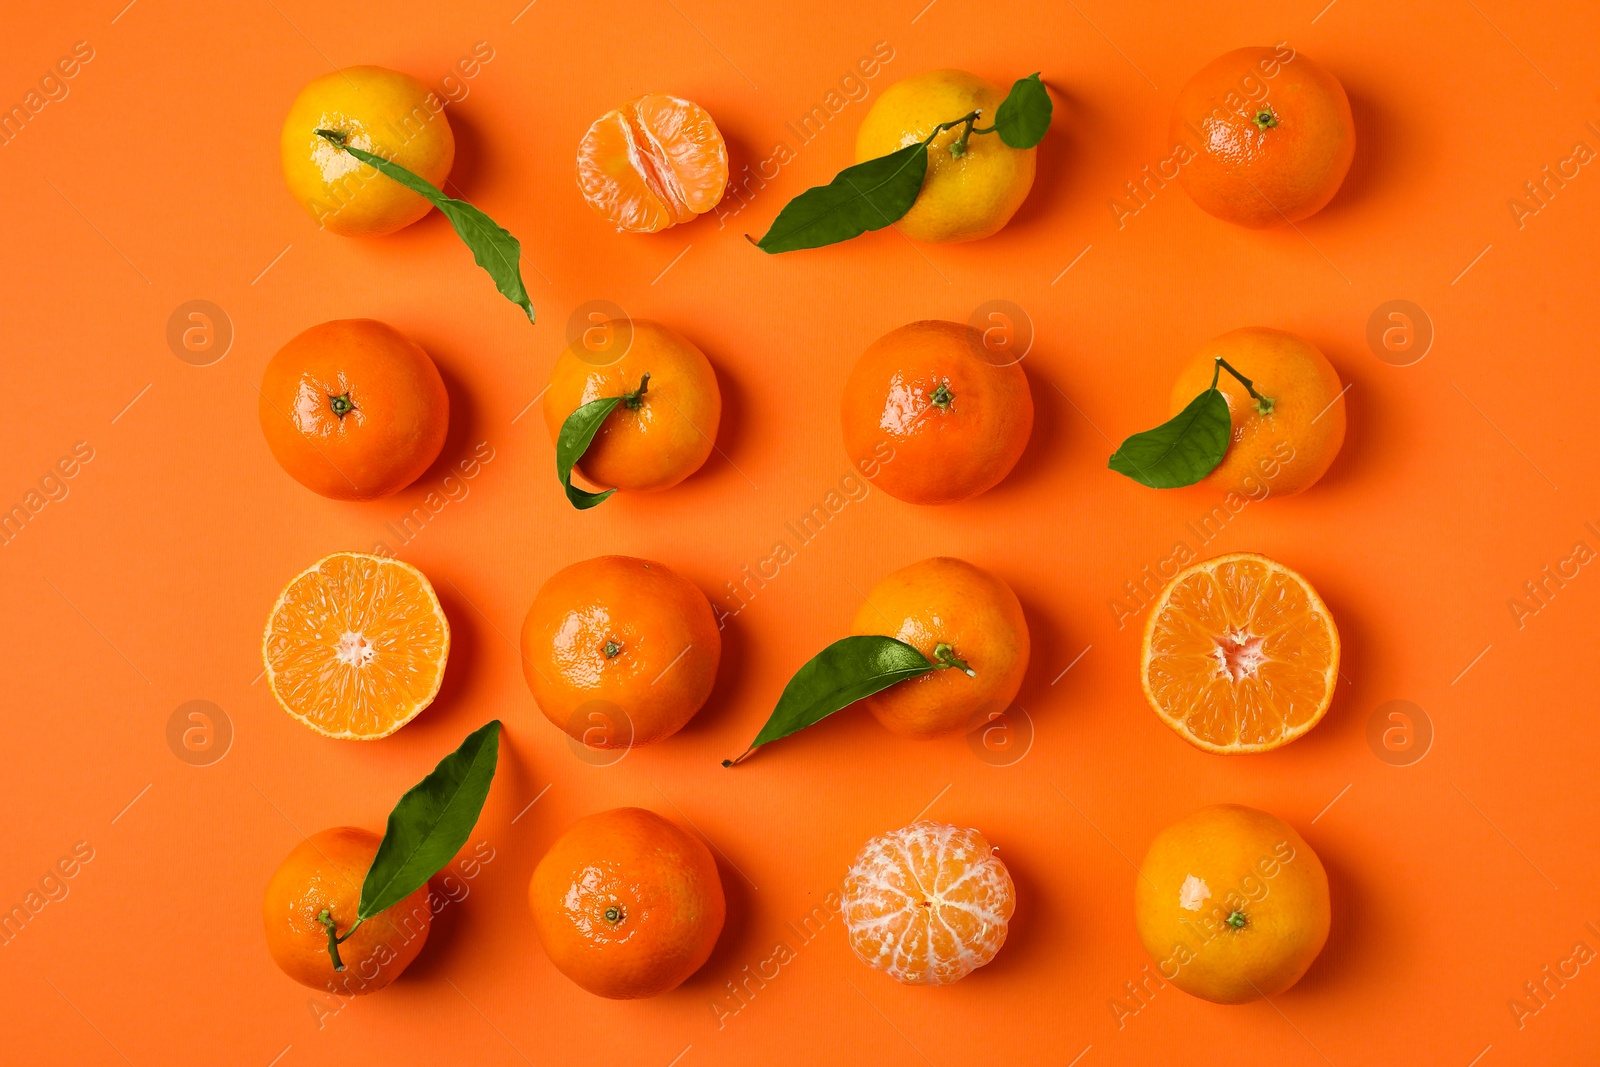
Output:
x=944 y=657
x=632 y=400
x=1263 y=403
x=334 y=941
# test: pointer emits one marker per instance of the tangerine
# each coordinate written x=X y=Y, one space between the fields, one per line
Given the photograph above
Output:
x=1240 y=654
x=652 y=163
x=323 y=876
x=927 y=904
x=356 y=645
x=1275 y=136
x=962 y=618
x=620 y=651
x=931 y=416
x=1233 y=902
x=963 y=197
x=1287 y=448
x=380 y=111
x=626 y=904
x=663 y=436
x=353 y=409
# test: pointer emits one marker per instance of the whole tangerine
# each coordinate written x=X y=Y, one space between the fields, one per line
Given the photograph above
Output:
x=1283 y=450
x=1232 y=904
x=620 y=651
x=663 y=436
x=1267 y=134
x=966 y=621
x=381 y=111
x=932 y=416
x=354 y=409
x=963 y=197
x=626 y=904
x=323 y=876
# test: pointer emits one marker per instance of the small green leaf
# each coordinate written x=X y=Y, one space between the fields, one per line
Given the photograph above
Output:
x=835 y=678
x=577 y=433
x=495 y=250
x=431 y=822
x=865 y=197
x=1180 y=451
x=1024 y=115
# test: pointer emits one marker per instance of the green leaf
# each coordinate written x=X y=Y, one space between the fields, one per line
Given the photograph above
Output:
x=577 y=432
x=1024 y=115
x=835 y=678
x=495 y=250
x=867 y=196
x=431 y=822
x=1180 y=451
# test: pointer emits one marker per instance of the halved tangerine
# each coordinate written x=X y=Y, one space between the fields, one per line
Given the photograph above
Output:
x=356 y=646
x=652 y=163
x=1240 y=654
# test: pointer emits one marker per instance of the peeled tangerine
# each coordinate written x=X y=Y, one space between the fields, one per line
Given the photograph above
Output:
x=927 y=904
x=652 y=163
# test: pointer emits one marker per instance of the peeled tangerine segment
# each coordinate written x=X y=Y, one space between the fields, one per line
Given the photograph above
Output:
x=653 y=163
x=356 y=646
x=1240 y=654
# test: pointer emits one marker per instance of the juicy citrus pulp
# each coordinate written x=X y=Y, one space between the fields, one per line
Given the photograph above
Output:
x=1240 y=654
x=927 y=904
x=356 y=646
x=652 y=163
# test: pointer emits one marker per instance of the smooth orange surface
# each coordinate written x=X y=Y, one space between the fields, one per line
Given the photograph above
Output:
x=353 y=409
x=158 y=530
x=626 y=904
x=324 y=873
x=620 y=651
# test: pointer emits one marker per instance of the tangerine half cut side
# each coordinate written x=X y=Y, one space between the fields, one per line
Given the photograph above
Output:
x=356 y=646
x=1240 y=654
x=652 y=163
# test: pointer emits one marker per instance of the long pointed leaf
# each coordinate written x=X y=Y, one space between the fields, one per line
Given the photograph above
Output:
x=431 y=822
x=493 y=247
x=577 y=433
x=867 y=196
x=1180 y=451
x=837 y=677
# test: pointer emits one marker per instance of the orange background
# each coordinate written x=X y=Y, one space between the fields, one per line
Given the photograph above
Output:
x=155 y=181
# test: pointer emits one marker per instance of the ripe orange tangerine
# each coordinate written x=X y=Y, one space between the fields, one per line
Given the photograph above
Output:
x=1240 y=654
x=952 y=612
x=927 y=904
x=325 y=872
x=1272 y=132
x=620 y=651
x=932 y=416
x=356 y=645
x=353 y=409
x=626 y=904
x=652 y=163
x=663 y=437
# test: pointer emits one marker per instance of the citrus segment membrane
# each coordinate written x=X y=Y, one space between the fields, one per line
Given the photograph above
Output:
x=653 y=163
x=927 y=904
x=1240 y=654
x=356 y=646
